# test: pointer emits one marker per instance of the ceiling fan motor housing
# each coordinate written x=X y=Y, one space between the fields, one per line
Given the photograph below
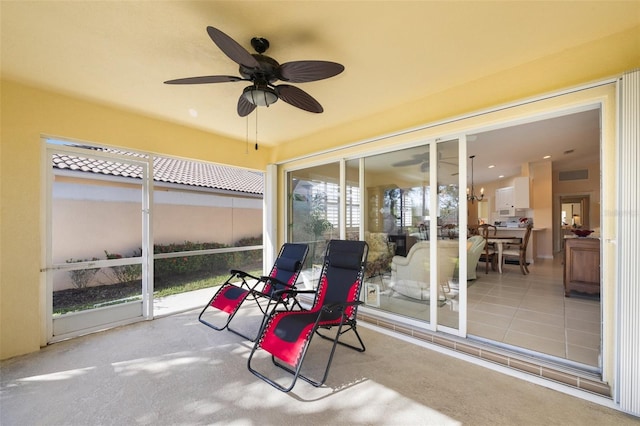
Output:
x=267 y=71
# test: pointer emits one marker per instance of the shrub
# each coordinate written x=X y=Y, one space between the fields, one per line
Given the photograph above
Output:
x=248 y=257
x=181 y=265
x=125 y=273
x=82 y=277
x=209 y=263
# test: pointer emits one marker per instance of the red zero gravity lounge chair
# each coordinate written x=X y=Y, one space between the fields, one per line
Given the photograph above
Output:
x=283 y=275
x=286 y=335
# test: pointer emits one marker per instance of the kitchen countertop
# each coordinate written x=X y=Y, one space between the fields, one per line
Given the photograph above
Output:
x=507 y=228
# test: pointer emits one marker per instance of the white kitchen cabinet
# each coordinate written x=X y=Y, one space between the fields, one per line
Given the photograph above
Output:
x=504 y=197
x=513 y=197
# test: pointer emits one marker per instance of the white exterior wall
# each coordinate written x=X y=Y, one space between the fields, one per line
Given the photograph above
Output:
x=89 y=219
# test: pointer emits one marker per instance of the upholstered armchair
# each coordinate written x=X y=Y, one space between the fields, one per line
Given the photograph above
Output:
x=410 y=276
x=380 y=254
x=475 y=248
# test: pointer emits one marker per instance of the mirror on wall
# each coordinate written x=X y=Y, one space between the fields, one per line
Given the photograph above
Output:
x=574 y=212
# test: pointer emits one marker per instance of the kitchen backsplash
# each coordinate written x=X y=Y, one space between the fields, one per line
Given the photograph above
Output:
x=514 y=222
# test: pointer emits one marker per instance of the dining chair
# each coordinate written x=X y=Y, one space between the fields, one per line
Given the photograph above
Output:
x=490 y=254
x=519 y=251
x=424 y=232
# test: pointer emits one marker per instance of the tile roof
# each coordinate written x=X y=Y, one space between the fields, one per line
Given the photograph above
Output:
x=170 y=170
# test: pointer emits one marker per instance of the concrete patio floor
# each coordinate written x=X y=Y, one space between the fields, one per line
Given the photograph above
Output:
x=176 y=371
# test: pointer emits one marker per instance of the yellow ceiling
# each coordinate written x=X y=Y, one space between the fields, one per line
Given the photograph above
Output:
x=395 y=53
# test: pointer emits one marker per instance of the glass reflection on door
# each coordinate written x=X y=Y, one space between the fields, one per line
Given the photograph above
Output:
x=448 y=241
x=314 y=214
x=397 y=231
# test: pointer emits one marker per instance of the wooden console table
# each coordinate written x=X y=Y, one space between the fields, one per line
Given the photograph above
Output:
x=581 y=265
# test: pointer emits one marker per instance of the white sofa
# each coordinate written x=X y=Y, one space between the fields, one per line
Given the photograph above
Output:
x=410 y=275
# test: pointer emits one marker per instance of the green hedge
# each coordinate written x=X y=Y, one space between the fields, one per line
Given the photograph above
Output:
x=211 y=263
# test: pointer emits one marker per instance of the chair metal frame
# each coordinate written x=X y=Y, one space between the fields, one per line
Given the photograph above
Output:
x=343 y=316
x=268 y=287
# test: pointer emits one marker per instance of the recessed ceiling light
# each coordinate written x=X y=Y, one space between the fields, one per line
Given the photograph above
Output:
x=501 y=176
x=193 y=112
x=546 y=156
x=492 y=166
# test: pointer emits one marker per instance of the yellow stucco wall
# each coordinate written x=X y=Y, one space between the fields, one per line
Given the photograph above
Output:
x=28 y=113
x=600 y=59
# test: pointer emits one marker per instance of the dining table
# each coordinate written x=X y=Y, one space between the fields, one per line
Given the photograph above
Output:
x=499 y=242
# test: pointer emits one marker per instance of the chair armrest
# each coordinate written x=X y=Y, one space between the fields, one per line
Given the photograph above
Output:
x=276 y=298
x=400 y=260
x=243 y=277
x=242 y=274
x=277 y=292
x=293 y=291
x=266 y=278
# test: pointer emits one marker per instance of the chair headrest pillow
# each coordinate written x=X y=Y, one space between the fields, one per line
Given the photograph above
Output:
x=287 y=264
x=345 y=260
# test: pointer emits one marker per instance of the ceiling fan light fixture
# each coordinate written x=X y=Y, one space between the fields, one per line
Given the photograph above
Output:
x=260 y=95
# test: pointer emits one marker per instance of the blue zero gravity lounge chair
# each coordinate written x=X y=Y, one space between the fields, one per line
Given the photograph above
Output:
x=283 y=275
x=286 y=335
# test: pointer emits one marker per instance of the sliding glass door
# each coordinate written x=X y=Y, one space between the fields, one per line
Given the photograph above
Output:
x=409 y=217
x=412 y=223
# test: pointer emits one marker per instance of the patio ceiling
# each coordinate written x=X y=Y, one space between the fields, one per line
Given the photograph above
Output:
x=119 y=53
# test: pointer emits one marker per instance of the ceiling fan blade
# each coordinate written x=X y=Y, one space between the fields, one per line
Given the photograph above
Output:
x=298 y=98
x=407 y=163
x=417 y=159
x=305 y=71
x=244 y=106
x=232 y=49
x=205 y=79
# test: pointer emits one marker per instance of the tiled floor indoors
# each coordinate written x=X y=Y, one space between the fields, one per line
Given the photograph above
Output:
x=528 y=312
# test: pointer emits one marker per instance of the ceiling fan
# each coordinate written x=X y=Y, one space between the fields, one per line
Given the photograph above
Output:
x=262 y=71
x=423 y=161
